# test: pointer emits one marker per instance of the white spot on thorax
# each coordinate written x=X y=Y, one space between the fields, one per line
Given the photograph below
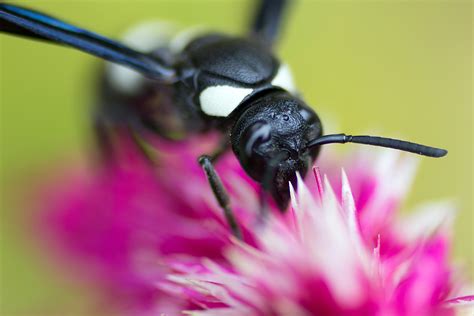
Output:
x=143 y=37
x=183 y=38
x=147 y=36
x=222 y=100
x=284 y=79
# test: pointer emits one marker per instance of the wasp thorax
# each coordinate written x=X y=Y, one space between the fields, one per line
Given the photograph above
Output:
x=270 y=140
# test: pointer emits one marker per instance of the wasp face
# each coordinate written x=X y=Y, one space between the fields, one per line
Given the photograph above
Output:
x=270 y=140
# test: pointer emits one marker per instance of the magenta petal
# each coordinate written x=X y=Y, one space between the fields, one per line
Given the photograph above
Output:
x=156 y=238
x=463 y=300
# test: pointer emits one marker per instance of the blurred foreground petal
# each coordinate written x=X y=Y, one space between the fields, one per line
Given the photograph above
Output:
x=155 y=241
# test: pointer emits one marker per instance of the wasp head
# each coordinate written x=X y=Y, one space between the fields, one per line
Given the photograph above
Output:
x=270 y=140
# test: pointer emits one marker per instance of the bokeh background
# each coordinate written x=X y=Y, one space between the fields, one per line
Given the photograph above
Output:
x=402 y=68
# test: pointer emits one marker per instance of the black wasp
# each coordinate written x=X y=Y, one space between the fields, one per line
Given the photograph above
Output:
x=212 y=82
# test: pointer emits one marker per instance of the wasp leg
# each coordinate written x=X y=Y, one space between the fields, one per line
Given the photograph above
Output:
x=114 y=139
x=264 y=207
x=268 y=19
x=102 y=139
x=220 y=193
x=264 y=192
x=222 y=147
x=268 y=176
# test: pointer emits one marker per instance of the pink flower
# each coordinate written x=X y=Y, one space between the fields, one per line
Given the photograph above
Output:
x=119 y=225
x=327 y=257
x=155 y=238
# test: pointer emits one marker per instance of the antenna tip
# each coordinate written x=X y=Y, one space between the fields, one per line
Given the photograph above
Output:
x=441 y=153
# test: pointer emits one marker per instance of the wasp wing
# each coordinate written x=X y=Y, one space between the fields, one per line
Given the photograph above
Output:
x=21 y=21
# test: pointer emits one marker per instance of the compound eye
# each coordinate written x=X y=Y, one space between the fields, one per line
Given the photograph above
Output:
x=313 y=123
x=255 y=135
x=314 y=131
x=253 y=147
x=307 y=115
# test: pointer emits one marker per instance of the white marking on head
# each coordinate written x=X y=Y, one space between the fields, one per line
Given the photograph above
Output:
x=143 y=37
x=284 y=79
x=222 y=100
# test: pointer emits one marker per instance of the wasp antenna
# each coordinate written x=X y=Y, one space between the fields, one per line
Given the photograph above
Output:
x=21 y=21
x=381 y=142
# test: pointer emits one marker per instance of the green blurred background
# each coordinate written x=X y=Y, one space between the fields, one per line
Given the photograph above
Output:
x=403 y=68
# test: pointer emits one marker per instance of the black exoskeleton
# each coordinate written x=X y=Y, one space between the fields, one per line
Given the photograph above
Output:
x=276 y=124
x=212 y=81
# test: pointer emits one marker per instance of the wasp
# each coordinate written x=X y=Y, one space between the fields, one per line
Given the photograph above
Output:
x=233 y=85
